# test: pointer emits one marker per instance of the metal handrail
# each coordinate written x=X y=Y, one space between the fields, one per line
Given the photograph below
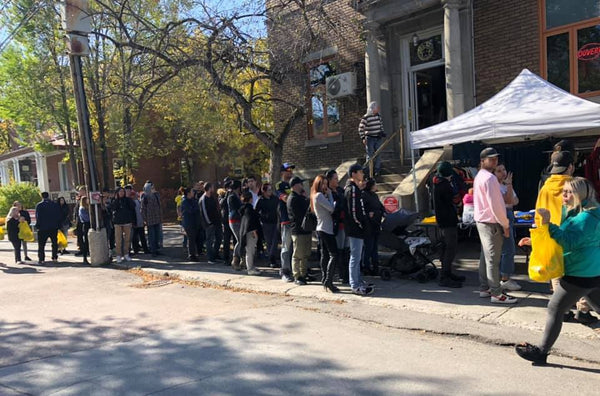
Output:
x=371 y=162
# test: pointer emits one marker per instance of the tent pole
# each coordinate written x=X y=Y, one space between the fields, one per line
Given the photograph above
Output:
x=414 y=172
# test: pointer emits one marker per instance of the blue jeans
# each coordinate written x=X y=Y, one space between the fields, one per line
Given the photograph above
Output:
x=356 y=248
x=286 y=249
x=154 y=237
x=507 y=262
x=372 y=146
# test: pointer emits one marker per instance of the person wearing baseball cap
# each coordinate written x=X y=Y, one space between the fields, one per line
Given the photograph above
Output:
x=282 y=192
x=356 y=226
x=492 y=226
x=297 y=206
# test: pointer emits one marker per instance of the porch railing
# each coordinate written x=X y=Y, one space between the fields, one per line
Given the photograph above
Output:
x=371 y=162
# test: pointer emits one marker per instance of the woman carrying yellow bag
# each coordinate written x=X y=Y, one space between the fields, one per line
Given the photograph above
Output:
x=579 y=236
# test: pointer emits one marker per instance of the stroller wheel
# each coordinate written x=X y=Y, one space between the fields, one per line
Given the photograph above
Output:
x=385 y=274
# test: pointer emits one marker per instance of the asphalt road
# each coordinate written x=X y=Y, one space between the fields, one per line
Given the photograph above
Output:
x=80 y=330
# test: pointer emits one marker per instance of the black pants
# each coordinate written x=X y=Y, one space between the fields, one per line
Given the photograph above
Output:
x=78 y=232
x=194 y=241
x=329 y=257
x=565 y=295
x=226 y=241
x=43 y=236
x=85 y=248
x=17 y=247
x=138 y=241
x=201 y=240
x=450 y=239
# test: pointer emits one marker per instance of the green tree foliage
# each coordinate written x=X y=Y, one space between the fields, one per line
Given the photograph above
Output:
x=26 y=193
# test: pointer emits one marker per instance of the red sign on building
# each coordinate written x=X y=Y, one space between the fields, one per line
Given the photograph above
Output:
x=391 y=204
x=589 y=52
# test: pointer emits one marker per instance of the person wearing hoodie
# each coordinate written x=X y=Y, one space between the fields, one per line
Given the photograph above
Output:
x=375 y=211
x=579 y=236
x=356 y=226
x=152 y=216
x=249 y=230
x=123 y=216
x=444 y=193
x=370 y=130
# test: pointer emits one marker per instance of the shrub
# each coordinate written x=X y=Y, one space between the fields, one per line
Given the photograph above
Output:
x=26 y=193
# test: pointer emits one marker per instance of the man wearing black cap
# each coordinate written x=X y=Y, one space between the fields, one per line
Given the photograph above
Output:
x=447 y=218
x=282 y=191
x=356 y=227
x=492 y=226
x=297 y=206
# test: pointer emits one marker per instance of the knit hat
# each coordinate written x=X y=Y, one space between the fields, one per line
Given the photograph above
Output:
x=445 y=169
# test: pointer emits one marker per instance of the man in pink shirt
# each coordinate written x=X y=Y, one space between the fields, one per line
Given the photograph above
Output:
x=492 y=226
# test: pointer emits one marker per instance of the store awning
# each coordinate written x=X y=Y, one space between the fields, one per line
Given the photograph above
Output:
x=526 y=109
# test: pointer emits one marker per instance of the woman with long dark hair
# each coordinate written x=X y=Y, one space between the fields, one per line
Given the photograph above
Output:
x=84 y=218
x=322 y=205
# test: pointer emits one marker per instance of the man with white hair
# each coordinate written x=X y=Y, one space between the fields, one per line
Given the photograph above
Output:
x=370 y=130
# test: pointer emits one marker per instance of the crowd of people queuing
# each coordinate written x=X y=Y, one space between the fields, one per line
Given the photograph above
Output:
x=256 y=218
x=125 y=215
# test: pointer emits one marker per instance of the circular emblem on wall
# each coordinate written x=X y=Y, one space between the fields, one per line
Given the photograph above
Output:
x=425 y=50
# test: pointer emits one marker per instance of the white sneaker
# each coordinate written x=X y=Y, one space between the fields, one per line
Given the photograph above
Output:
x=503 y=299
x=510 y=285
x=253 y=272
x=119 y=259
x=127 y=257
x=212 y=262
x=485 y=293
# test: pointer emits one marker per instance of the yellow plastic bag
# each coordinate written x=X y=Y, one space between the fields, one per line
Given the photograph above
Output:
x=25 y=232
x=2 y=232
x=546 y=261
x=62 y=240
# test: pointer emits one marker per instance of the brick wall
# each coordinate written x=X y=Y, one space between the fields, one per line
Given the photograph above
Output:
x=506 y=41
x=349 y=58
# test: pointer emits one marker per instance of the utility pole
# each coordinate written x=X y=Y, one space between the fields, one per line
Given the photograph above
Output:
x=77 y=25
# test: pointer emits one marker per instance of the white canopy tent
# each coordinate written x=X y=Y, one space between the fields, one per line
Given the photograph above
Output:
x=528 y=108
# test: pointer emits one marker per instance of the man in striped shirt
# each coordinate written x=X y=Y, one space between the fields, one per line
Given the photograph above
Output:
x=370 y=130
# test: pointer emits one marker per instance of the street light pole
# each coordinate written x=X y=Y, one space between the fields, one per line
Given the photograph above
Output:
x=77 y=25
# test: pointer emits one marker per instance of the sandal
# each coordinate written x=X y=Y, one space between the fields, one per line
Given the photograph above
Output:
x=531 y=353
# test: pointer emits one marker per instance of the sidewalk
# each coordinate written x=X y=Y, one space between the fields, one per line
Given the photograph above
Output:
x=431 y=308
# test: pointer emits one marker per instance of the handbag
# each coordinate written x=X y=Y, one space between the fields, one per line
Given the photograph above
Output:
x=546 y=261
x=309 y=222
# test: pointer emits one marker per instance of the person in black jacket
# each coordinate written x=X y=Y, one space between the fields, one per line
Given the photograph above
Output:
x=211 y=221
x=123 y=216
x=356 y=226
x=447 y=219
x=375 y=211
x=234 y=204
x=190 y=220
x=65 y=221
x=297 y=206
x=25 y=215
x=249 y=230
x=338 y=216
x=47 y=214
x=225 y=222
x=12 y=229
x=267 y=209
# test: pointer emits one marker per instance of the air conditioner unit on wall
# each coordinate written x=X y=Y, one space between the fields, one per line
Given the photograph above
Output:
x=341 y=85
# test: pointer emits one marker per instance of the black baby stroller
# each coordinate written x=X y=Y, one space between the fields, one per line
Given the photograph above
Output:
x=412 y=248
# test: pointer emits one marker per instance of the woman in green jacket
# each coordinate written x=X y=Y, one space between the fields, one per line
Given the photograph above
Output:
x=579 y=236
